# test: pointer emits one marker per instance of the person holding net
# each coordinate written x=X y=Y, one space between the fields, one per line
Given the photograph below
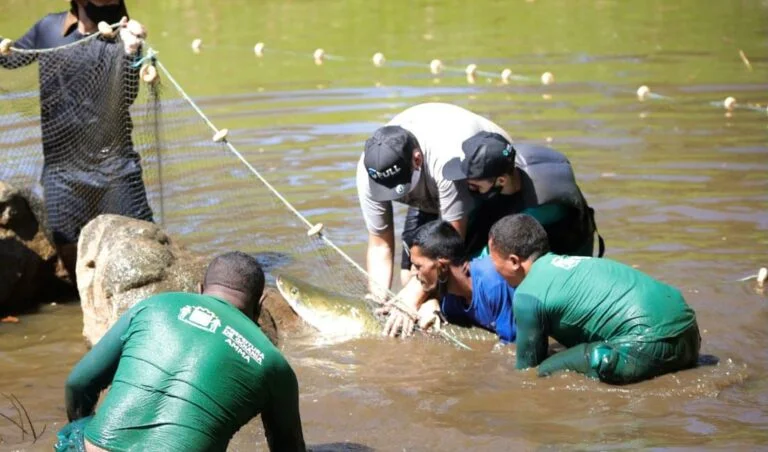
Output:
x=90 y=166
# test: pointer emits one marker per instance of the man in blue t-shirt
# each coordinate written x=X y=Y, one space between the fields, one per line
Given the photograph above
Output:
x=470 y=292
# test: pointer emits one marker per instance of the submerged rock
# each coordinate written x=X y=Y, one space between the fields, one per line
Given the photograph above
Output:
x=30 y=269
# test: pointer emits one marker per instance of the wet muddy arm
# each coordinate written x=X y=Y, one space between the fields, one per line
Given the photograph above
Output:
x=455 y=204
x=532 y=335
x=94 y=372
x=281 y=419
x=380 y=261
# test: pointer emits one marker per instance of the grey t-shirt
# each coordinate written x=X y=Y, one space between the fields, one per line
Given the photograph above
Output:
x=440 y=130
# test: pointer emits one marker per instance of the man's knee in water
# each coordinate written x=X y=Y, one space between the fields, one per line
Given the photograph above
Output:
x=603 y=362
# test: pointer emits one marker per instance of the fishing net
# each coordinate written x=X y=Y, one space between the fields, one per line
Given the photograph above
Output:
x=84 y=127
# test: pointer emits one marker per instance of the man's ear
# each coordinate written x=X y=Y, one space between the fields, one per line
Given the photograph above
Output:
x=515 y=261
x=418 y=158
x=500 y=181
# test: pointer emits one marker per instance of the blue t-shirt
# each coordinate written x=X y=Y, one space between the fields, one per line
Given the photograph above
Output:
x=491 y=305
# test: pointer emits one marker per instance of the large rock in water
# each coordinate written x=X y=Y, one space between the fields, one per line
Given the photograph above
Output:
x=121 y=261
x=28 y=260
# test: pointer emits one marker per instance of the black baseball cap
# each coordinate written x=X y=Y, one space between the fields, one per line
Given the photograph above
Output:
x=486 y=155
x=387 y=160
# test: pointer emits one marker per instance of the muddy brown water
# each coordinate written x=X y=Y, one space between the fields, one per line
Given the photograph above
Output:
x=680 y=189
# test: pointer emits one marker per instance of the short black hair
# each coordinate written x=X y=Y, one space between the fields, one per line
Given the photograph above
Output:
x=438 y=239
x=520 y=234
x=237 y=271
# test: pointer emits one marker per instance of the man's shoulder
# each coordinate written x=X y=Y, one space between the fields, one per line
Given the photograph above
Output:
x=53 y=21
x=424 y=111
x=166 y=297
x=486 y=277
x=532 y=154
x=484 y=267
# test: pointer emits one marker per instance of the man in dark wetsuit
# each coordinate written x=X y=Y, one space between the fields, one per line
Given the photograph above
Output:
x=523 y=178
x=469 y=292
x=619 y=324
x=186 y=372
x=89 y=164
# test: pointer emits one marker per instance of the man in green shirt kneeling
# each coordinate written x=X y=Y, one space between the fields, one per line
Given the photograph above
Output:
x=186 y=372
x=619 y=324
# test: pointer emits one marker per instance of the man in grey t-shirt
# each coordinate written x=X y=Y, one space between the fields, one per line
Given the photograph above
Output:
x=406 y=161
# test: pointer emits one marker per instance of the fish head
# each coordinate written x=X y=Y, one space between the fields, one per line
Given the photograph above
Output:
x=333 y=315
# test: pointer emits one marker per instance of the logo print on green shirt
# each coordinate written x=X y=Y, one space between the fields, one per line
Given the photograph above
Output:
x=241 y=345
x=200 y=317
x=567 y=262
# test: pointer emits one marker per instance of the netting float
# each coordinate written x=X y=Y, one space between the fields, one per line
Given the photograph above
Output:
x=505 y=75
x=106 y=30
x=148 y=74
x=5 y=47
x=729 y=103
x=221 y=135
x=436 y=66
x=258 y=49
x=319 y=56
x=378 y=59
x=314 y=230
x=643 y=92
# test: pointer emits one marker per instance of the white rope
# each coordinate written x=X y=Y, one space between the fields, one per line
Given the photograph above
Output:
x=62 y=47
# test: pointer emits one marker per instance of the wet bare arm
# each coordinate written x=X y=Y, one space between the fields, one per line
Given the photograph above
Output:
x=461 y=226
x=412 y=296
x=380 y=261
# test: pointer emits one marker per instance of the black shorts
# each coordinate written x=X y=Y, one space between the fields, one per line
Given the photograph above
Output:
x=71 y=201
x=413 y=220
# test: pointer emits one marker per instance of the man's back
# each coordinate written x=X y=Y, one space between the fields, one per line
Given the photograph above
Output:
x=579 y=299
x=192 y=371
x=440 y=129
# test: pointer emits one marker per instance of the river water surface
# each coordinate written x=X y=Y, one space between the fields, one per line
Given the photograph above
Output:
x=680 y=189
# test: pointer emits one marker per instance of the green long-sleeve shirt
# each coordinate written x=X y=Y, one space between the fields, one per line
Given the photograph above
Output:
x=580 y=300
x=186 y=372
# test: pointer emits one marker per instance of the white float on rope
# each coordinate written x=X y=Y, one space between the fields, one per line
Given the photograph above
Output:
x=106 y=30
x=258 y=49
x=314 y=230
x=221 y=135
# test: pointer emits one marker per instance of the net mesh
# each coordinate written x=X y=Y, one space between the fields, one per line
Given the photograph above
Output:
x=82 y=128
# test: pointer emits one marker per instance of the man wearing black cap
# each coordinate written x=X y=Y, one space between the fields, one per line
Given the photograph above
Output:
x=89 y=163
x=532 y=179
x=405 y=162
